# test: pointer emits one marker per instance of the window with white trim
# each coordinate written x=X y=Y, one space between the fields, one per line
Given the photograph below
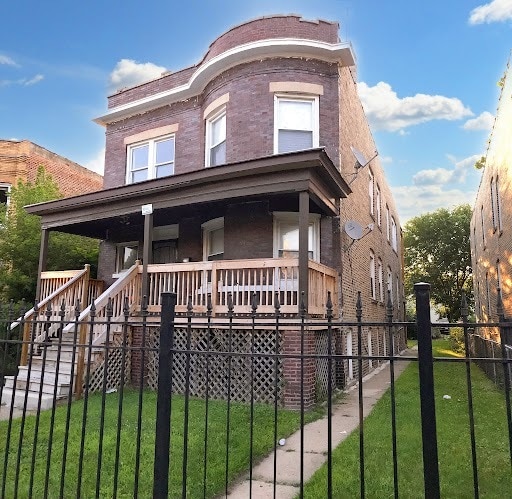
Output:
x=295 y=123
x=388 y=223
x=378 y=201
x=150 y=159
x=5 y=189
x=215 y=149
x=127 y=254
x=380 y=276
x=213 y=239
x=286 y=235
x=394 y=242
x=371 y=192
x=390 y=284
x=372 y=275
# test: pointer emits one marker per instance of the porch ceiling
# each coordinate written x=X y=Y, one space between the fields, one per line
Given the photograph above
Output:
x=277 y=175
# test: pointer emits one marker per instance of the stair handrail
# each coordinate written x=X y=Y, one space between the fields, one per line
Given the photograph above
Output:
x=54 y=297
x=115 y=293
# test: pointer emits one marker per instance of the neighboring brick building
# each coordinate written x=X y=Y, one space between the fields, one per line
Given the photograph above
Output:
x=20 y=160
x=242 y=165
x=491 y=223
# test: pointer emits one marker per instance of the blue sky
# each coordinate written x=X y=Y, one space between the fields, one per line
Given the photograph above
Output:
x=427 y=72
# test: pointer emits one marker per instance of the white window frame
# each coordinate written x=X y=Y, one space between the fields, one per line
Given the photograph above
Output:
x=394 y=235
x=388 y=223
x=390 y=284
x=291 y=217
x=119 y=256
x=381 y=277
x=371 y=192
x=208 y=228
x=4 y=186
x=314 y=100
x=378 y=202
x=372 y=275
x=209 y=145
x=152 y=166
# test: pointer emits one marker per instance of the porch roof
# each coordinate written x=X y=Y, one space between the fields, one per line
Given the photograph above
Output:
x=92 y=214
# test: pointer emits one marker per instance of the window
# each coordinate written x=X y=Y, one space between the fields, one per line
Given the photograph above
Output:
x=394 y=242
x=493 y=205
x=378 y=201
x=127 y=253
x=498 y=206
x=372 y=275
x=295 y=123
x=482 y=224
x=4 y=193
x=388 y=227
x=213 y=239
x=150 y=159
x=286 y=235
x=397 y=293
x=371 y=192
x=390 y=284
x=380 y=276
x=216 y=139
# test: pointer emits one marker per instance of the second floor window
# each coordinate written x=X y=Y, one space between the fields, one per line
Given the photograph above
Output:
x=216 y=139
x=295 y=123
x=150 y=159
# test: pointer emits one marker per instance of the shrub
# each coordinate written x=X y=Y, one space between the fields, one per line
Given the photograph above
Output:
x=457 y=340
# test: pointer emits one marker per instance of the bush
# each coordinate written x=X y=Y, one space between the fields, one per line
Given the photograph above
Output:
x=457 y=340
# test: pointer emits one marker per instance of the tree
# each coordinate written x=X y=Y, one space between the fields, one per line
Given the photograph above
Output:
x=437 y=251
x=20 y=236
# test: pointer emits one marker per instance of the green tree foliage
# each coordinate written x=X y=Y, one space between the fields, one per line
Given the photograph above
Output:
x=20 y=236
x=437 y=251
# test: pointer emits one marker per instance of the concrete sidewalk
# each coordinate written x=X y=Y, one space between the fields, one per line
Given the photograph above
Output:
x=345 y=420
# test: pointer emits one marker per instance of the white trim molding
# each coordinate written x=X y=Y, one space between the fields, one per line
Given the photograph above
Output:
x=340 y=53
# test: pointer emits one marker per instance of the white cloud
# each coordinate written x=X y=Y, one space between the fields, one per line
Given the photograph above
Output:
x=386 y=159
x=7 y=61
x=442 y=176
x=33 y=81
x=25 y=82
x=415 y=200
x=128 y=73
x=97 y=163
x=484 y=121
x=495 y=11
x=387 y=111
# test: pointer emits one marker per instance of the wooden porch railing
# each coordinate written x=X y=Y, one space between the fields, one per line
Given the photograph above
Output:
x=241 y=278
x=58 y=287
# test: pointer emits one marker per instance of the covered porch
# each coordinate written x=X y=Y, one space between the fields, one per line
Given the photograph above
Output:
x=266 y=228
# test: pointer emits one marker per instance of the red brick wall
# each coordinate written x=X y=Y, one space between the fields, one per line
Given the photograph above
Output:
x=249 y=116
x=20 y=160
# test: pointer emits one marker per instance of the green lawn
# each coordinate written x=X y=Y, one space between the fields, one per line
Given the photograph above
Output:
x=288 y=422
x=494 y=466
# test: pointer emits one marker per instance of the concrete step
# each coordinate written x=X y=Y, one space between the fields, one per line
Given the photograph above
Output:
x=35 y=386
x=17 y=399
x=35 y=377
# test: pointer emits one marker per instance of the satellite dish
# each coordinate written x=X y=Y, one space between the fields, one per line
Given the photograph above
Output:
x=354 y=230
x=360 y=158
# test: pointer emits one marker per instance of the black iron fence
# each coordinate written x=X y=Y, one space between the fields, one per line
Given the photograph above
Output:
x=203 y=406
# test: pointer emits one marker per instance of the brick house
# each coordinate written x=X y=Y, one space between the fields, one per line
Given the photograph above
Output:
x=20 y=160
x=491 y=236
x=236 y=176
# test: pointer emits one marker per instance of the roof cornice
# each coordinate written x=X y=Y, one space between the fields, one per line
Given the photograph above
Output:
x=341 y=53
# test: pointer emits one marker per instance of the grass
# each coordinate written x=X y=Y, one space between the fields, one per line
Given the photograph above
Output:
x=454 y=450
x=288 y=422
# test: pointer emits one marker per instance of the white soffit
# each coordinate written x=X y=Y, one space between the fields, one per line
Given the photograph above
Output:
x=276 y=47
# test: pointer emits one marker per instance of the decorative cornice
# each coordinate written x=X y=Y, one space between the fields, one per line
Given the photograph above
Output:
x=341 y=53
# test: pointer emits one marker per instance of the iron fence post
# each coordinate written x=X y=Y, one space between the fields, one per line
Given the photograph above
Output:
x=163 y=406
x=427 y=399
